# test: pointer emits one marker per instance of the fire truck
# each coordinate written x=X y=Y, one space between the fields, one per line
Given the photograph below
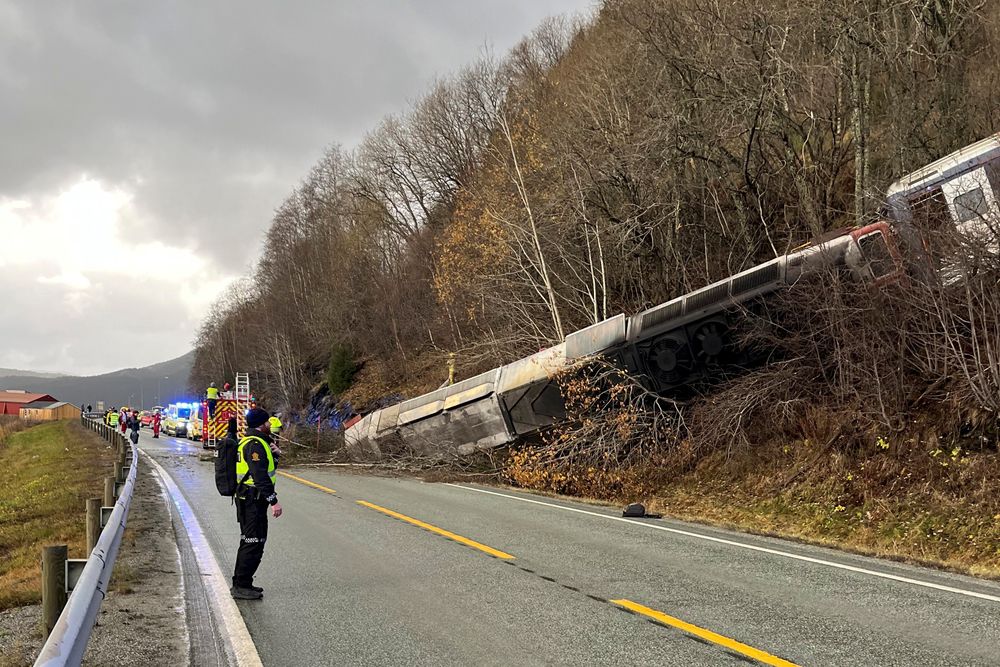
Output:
x=234 y=403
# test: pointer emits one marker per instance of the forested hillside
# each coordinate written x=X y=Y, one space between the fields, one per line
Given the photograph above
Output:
x=602 y=166
x=611 y=163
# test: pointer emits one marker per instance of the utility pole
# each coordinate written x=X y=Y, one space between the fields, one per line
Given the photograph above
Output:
x=158 y=394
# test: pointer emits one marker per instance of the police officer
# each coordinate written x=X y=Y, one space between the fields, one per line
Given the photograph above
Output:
x=255 y=474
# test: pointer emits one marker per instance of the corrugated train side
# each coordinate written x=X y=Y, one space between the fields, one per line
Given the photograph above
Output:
x=671 y=345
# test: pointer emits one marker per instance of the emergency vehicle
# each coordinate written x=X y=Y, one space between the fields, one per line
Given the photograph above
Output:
x=234 y=403
x=177 y=419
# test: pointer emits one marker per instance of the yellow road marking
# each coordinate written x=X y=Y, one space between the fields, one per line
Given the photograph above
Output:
x=440 y=531
x=731 y=644
x=306 y=482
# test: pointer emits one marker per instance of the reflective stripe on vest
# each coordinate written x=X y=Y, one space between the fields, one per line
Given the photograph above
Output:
x=242 y=467
x=212 y=392
x=113 y=418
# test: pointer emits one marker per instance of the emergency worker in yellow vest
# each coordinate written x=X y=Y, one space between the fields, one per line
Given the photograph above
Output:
x=113 y=418
x=275 y=424
x=255 y=474
x=211 y=397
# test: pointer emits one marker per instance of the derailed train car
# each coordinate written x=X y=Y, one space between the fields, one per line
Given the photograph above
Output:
x=672 y=345
x=678 y=342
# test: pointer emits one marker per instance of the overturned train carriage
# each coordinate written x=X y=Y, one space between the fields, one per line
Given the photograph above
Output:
x=671 y=345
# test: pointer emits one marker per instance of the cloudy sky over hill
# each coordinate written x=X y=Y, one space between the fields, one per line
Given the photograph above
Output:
x=146 y=145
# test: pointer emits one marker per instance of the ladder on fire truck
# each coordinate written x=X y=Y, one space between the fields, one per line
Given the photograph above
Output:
x=243 y=392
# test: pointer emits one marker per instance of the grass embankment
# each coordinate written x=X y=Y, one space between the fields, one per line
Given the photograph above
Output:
x=905 y=501
x=50 y=470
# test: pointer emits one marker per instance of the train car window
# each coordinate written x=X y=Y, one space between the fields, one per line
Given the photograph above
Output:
x=971 y=205
x=877 y=255
x=929 y=210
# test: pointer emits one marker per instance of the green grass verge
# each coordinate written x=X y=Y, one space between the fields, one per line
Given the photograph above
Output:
x=50 y=470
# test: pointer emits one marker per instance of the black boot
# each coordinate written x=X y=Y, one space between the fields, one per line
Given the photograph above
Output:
x=240 y=593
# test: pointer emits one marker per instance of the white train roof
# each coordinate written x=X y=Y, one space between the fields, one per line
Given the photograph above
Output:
x=948 y=166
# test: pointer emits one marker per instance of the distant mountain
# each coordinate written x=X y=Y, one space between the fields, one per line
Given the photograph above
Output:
x=160 y=383
x=14 y=372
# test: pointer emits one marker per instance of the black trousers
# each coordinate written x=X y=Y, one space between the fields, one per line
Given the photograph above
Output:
x=252 y=515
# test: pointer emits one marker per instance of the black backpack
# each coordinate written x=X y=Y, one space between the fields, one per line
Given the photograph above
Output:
x=225 y=467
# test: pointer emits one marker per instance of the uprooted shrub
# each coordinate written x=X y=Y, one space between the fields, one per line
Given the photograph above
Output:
x=617 y=434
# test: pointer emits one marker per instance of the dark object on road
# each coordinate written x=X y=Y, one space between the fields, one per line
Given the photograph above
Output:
x=240 y=593
x=638 y=511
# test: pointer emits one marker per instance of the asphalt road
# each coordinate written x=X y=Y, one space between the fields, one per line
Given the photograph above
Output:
x=378 y=571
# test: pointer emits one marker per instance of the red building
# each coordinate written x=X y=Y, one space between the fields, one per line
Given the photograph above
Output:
x=12 y=400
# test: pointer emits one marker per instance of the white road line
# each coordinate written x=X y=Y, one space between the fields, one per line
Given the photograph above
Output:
x=236 y=636
x=774 y=552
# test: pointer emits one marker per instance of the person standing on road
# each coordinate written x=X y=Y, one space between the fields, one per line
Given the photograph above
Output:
x=135 y=425
x=255 y=473
x=275 y=430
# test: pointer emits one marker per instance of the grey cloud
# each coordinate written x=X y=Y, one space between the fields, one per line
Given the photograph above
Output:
x=209 y=112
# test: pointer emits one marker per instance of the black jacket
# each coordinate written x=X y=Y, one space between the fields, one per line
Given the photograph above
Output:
x=256 y=459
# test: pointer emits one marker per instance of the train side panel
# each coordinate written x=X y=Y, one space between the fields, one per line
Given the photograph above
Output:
x=456 y=419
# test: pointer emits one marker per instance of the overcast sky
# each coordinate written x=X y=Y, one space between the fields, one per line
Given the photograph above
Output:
x=146 y=144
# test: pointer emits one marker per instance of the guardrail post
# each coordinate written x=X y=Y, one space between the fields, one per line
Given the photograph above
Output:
x=119 y=472
x=93 y=522
x=53 y=586
x=109 y=491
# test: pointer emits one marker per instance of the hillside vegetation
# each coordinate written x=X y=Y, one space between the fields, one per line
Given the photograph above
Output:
x=609 y=164
x=51 y=470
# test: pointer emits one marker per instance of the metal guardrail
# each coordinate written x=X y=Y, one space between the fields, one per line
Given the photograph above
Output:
x=68 y=640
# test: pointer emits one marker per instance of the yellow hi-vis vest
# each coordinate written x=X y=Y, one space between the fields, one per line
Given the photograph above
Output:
x=113 y=418
x=242 y=467
x=275 y=424
x=212 y=393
